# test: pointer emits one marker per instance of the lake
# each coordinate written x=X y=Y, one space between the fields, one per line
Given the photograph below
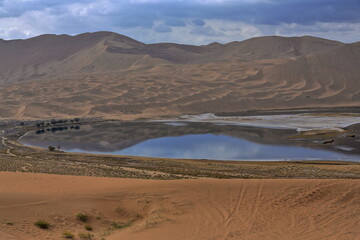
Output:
x=184 y=140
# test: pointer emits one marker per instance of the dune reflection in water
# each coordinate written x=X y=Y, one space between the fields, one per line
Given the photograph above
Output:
x=186 y=141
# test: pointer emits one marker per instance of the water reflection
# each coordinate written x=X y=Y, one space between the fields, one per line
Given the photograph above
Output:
x=211 y=146
x=57 y=129
x=188 y=141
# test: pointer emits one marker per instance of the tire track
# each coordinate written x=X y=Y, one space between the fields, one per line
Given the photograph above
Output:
x=255 y=207
x=226 y=225
x=9 y=147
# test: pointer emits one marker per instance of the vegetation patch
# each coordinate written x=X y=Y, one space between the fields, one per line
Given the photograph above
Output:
x=83 y=217
x=42 y=224
x=68 y=235
x=88 y=227
x=51 y=148
x=86 y=236
x=118 y=225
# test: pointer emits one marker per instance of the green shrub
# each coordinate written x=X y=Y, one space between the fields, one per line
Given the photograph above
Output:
x=88 y=227
x=42 y=224
x=86 y=236
x=118 y=225
x=68 y=235
x=51 y=148
x=82 y=217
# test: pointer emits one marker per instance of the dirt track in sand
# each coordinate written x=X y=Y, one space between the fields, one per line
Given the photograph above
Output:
x=180 y=209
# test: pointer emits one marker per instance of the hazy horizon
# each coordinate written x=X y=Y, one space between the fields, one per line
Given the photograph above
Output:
x=73 y=35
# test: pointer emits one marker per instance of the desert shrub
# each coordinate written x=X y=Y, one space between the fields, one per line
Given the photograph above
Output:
x=86 y=236
x=51 y=148
x=119 y=225
x=40 y=131
x=42 y=224
x=88 y=227
x=116 y=225
x=82 y=217
x=68 y=235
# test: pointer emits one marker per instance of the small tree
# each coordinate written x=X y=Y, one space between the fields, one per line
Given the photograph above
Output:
x=42 y=224
x=68 y=235
x=82 y=217
x=51 y=148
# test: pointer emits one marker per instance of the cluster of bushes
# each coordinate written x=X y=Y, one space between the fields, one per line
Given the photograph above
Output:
x=40 y=131
x=62 y=121
x=88 y=235
x=83 y=217
x=82 y=235
x=57 y=121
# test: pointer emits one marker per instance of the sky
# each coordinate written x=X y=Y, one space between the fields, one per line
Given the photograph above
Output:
x=183 y=21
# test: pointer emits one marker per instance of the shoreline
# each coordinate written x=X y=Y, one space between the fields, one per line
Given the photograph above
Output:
x=17 y=157
x=320 y=129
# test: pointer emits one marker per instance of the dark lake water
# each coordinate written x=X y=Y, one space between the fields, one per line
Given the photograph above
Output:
x=184 y=141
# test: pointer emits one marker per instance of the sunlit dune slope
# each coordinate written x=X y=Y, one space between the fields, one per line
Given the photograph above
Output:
x=107 y=74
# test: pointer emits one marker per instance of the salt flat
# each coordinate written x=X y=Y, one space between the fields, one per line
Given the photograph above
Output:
x=301 y=122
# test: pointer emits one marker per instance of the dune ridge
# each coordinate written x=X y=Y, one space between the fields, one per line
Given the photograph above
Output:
x=110 y=75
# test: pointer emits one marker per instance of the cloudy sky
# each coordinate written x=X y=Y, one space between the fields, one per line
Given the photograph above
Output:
x=183 y=21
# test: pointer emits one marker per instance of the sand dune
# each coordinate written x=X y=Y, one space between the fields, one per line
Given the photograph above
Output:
x=180 y=209
x=110 y=75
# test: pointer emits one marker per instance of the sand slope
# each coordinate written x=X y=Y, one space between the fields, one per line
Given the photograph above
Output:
x=181 y=209
x=110 y=75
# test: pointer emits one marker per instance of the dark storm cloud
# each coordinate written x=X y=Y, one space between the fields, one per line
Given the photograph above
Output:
x=165 y=16
x=174 y=22
x=198 y=22
x=206 y=31
x=162 y=28
x=253 y=12
x=308 y=12
x=16 y=8
x=260 y=12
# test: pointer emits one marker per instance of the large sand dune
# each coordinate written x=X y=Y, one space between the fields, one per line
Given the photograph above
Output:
x=107 y=74
x=180 y=209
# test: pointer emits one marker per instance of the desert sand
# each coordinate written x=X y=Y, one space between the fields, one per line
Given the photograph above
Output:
x=179 y=209
x=109 y=75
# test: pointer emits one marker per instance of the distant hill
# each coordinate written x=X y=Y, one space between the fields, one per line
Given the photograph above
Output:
x=111 y=75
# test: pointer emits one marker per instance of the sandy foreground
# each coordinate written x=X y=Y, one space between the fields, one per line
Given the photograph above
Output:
x=179 y=209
